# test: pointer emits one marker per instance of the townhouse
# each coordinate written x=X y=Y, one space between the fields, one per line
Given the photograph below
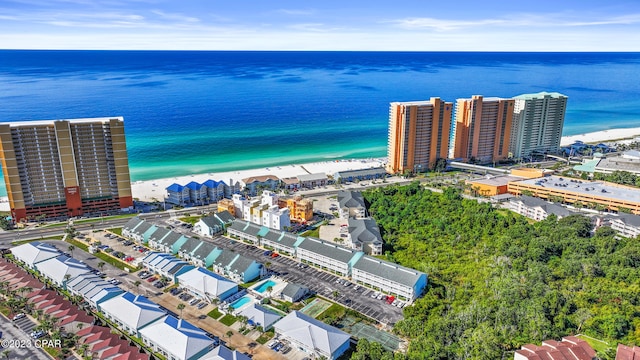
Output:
x=390 y=278
x=176 y=339
x=206 y=285
x=260 y=316
x=328 y=256
x=34 y=252
x=364 y=235
x=312 y=336
x=351 y=204
x=131 y=312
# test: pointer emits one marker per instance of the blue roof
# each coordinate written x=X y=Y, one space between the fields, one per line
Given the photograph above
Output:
x=186 y=328
x=212 y=183
x=212 y=274
x=141 y=301
x=175 y=187
x=194 y=185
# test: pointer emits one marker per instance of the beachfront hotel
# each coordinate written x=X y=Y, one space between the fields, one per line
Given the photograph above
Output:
x=482 y=128
x=418 y=134
x=538 y=120
x=60 y=168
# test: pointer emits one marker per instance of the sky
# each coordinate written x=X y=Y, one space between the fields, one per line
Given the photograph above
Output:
x=347 y=25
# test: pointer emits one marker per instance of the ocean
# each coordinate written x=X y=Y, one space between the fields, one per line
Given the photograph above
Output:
x=190 y=112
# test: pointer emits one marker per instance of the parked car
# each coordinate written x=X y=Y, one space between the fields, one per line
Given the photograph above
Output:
x=194 y=301
x=19 y=316
x=202 y=305
x=152 y=279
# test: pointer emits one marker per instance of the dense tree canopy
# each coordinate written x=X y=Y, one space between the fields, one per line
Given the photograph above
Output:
x=497 y=281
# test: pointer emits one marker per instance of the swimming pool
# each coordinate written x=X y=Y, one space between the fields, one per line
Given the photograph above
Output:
x=264 y=286
x=240 y=302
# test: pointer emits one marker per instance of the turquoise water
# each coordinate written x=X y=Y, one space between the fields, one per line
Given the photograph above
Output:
x=263 y=287
x=208 y=111
x=240 y=302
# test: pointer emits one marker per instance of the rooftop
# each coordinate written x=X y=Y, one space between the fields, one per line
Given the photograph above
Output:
x=312 y=177
x=311 y=332
x=329 y=250
x=501 y=180
x=596 y=189
x=394 y=272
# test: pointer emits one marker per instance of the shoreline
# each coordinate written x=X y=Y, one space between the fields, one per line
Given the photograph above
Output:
x=602 y=136
x=147 y=190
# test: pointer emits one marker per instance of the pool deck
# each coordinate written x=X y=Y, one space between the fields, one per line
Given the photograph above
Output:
x=277 y=287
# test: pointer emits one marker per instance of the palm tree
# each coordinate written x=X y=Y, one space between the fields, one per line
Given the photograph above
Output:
x=335 y=294
x=137 y=284
x=181 y=306
x=71 y=248
x=5 y=353
x=229 y=333
x=84 y=348
x=101 y=265
x=269 y=290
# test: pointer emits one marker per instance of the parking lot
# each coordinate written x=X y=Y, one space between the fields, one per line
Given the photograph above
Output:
x=16 y=334
x=320 y=282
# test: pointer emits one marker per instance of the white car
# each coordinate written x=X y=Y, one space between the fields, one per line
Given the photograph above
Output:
x=18 y=316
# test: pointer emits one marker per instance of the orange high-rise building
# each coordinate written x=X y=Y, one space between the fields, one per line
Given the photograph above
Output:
x=65 y=167
x=418 y=134
x=482 y=128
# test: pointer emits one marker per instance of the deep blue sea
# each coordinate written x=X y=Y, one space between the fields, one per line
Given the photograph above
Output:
x=201 y=111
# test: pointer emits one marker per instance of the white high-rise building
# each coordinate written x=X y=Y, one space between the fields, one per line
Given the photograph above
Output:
x=537 y=123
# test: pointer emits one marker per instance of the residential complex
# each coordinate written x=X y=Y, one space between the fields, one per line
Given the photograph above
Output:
x=201 y=253
x=62 y=168
x=482 y=128
x=389 y=278
x=418 y=134
x=537 y=209
x=538 y=120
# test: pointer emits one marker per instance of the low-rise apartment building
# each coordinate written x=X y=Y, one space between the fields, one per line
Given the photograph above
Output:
x=328 y=256
x=537 y=209
x=389 y=278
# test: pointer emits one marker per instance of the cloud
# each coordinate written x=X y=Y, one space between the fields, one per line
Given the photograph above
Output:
x=295 y=12
x=515 y=20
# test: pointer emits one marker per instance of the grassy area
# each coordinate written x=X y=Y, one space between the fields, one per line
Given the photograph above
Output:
x=265 y=337
x=117 y=231
x=228 y=320
x=92 y=220
x=20 y=242
x=312 y=233
x=190 y=219
x=115 y=262
x=78 y=244
x=215 y=313
x=598 y=345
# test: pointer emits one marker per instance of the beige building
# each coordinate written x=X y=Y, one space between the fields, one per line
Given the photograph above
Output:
x=482 y=128
x=65 y=167
x=418 y=134
x=538 y=120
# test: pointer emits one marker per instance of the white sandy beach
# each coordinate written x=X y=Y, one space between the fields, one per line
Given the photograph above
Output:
x=601 y=136
x=155 y=189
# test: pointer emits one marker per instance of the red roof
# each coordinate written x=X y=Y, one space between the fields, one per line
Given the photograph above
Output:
x=627 y=353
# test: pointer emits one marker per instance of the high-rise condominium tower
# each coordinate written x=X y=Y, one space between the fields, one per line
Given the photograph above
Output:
x=418 y=134
x=65 y=167
x=537 y=123
x=482 y=128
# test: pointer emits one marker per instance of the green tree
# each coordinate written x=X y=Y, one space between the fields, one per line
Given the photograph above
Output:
x=181 y=307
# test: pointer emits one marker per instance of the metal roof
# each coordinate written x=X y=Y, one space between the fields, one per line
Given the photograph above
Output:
x=394 y=272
